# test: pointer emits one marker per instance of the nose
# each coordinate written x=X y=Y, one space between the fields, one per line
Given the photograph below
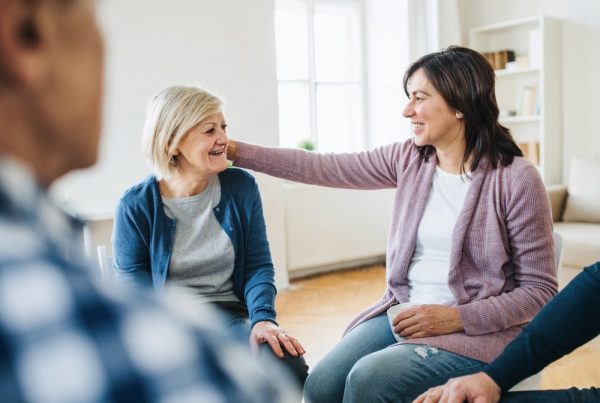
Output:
x=409 y=109
x=223 y=138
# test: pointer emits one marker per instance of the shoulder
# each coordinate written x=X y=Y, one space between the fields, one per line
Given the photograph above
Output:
x=237 y=180
x=521 y=170
x=520 y=180
x=407 y=157
x=140 y=194
x=402 y=150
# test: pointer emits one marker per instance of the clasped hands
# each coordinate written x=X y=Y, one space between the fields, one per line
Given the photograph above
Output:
x=427 y=320
x=269 y=332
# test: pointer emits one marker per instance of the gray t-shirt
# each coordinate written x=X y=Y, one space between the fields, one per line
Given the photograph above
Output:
x=203 y=255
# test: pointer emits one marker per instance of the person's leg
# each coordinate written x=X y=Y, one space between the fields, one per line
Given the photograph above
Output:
x=326 y=381
x=572 y=395
x=296 y=365
x=400 y=373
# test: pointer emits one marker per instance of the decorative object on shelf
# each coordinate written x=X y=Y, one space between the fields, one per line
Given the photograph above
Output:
x=522 y=61
x=529 y=100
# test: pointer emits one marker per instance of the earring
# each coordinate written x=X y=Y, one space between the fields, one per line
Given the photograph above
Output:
x=459 y=115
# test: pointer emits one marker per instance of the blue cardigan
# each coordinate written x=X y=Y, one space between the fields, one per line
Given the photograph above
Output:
x=143 y=240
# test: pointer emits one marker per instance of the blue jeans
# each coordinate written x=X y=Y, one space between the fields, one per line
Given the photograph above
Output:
x=572 y=395
x=363 y=367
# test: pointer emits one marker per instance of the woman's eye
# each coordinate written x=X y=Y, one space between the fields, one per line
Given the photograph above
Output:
x=211 y=130
x=224 y=128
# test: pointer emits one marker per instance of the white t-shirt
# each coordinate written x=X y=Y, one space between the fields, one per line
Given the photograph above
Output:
x=430 y=263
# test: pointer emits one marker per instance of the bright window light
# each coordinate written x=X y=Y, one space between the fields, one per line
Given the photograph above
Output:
x=319 y=46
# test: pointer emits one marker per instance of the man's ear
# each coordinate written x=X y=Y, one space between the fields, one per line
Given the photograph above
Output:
x=21 y=42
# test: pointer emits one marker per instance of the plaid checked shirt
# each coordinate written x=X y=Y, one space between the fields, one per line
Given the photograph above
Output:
x=64 y=337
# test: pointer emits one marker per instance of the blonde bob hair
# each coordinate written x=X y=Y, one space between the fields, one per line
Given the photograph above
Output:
x=171 y=114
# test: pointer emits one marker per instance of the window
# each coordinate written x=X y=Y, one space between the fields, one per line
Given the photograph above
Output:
x=319 y=47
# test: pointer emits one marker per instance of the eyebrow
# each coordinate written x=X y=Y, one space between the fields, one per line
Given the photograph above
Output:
x=212 y=123
x=420 y=91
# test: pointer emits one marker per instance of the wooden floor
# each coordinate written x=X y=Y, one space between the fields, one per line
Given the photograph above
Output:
x=317 y=309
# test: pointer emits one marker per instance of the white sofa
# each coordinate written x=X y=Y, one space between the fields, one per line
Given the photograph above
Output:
x=576 y=213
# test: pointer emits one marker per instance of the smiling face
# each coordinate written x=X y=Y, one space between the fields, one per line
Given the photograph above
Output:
x=433 y=121
x=202 y=151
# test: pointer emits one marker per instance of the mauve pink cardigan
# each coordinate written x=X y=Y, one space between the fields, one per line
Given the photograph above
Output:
x=502 y=256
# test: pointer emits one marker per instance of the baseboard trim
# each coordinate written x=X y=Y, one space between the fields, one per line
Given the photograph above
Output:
x=328 y=268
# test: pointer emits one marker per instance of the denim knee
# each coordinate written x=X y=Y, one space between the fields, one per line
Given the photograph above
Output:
x=320 y=386
x=366 y=381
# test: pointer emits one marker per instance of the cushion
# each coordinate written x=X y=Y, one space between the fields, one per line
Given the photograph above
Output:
x=583 y=202
x=581 y=243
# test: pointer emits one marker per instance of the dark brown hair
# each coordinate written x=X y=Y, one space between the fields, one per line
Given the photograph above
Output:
x=466 y=81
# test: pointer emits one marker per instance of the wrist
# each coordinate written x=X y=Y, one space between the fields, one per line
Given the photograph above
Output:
x=458 y=325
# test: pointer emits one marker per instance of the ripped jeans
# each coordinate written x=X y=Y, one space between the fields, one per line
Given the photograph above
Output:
x=363 y=368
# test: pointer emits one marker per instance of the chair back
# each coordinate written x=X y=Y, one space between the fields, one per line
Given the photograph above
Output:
x=558 y=251
x=534 y=381
x=104 y=262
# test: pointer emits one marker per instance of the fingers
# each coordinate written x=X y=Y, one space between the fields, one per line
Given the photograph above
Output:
x=420 y=398
x=274 y=342
x=277 y=338
x=433 y=395
x=297 y=345
x=405 y=314
x=408 y=330
x=290 y=343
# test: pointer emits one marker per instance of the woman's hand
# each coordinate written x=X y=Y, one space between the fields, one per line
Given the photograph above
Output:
x=231 y=148
x=269 y=332
x=427 y=320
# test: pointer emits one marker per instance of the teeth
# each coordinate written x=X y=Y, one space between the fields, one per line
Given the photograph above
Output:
x=417 y=125
x=216 y=152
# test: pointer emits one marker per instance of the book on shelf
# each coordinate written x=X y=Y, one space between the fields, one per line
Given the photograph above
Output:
x=499 y=58
x=531 y=151
x=529 y=101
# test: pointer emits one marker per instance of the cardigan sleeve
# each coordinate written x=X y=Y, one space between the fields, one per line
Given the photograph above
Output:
x=131 y=260
x=528 y=224
x=373 y=169
x=259 y=282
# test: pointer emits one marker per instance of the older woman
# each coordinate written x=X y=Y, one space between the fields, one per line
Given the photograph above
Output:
x=200 y=225
x=470 y=239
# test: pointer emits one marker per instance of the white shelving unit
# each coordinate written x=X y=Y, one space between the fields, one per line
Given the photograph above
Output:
x=529 y=95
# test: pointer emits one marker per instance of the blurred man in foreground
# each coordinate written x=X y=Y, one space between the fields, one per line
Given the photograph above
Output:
x=63 y=338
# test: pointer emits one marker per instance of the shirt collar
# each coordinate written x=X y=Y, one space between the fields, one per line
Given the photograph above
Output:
x=25 y=199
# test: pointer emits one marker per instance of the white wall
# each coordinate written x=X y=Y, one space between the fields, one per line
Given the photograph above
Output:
x=330 y=229
x=580 y=26
x=386 y=32
x=227 y=46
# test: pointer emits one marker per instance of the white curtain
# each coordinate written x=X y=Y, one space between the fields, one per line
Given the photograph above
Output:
x=432 y=25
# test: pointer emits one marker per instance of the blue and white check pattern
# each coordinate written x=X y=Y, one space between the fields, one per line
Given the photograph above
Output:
x=66 y=338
